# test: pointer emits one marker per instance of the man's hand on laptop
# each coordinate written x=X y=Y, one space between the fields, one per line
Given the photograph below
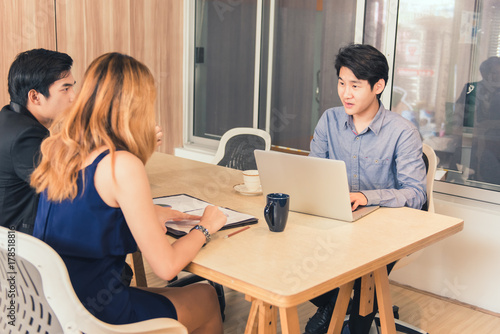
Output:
x=357 y=199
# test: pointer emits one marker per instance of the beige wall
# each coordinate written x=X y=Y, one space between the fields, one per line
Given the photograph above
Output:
x=25 y=24
x=149 y=30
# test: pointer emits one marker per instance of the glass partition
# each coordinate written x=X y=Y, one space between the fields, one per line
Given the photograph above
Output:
x=224 y=63
x=307 y=36
x=447 y=82
x=303 y=36
x=446 y=72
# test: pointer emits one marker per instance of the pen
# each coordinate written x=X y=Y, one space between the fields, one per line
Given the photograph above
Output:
x=236 y=232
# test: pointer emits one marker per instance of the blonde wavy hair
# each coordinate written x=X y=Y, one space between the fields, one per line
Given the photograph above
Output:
x=115 y=109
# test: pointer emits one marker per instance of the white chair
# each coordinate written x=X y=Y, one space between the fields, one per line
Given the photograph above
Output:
x=431 y=165
x=237 y=145
x=430 y=160
x=34 y=279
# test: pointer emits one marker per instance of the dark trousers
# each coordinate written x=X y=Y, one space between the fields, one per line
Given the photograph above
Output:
x=357 y=323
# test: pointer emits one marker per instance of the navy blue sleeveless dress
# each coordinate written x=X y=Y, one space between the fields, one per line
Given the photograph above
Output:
x=93 y=239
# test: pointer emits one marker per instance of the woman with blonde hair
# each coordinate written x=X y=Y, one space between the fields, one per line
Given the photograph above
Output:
x=96 y=205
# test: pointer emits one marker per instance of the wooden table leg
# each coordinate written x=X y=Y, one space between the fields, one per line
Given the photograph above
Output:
x=366 y=295
x=250 y=327
x=384 y=301
x=137 y=265
x=268 y=317
x=266 y=314
x=289 y=320
x=340 y=308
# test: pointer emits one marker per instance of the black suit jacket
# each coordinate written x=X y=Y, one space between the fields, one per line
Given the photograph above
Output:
x=20 y=138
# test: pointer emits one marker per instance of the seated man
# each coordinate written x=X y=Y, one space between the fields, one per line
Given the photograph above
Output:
x=40 y=87
x=382 y=152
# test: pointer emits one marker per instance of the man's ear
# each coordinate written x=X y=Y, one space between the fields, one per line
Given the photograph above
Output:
x=379 y=86
x=34 y=97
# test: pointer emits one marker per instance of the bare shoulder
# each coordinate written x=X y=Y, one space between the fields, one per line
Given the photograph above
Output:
x=127 y=157
x=126 y=176
x=127 y=172
x=126 y=164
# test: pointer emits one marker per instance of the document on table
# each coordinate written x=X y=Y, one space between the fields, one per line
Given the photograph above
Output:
x=195 y=206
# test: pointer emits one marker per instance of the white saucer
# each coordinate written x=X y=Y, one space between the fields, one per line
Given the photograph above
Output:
x=242 y=189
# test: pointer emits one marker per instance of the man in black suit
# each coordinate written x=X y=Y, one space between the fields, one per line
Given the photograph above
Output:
x=40 y=87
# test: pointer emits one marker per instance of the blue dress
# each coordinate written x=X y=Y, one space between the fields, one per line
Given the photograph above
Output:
x=93 y=240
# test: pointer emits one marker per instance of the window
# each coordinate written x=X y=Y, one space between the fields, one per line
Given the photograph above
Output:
x=224 y=63
x=266 y=64
x=269 y=64
x=446 y=79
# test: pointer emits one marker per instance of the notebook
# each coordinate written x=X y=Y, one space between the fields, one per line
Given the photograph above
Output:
x=195 y=206
x=316 y=186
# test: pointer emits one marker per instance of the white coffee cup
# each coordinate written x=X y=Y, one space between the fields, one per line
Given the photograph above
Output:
x=251 y=179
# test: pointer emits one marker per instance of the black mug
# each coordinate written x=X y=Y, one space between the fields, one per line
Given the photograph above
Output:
x=276 y=211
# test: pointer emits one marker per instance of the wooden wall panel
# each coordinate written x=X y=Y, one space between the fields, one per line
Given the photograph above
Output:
x=25 y=25
x=149 y=30
x=87 y=29
x=171 y=117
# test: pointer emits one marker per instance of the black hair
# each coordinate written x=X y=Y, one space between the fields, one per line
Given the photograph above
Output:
x=488 y=65
x=365 y=62
x=36 y=69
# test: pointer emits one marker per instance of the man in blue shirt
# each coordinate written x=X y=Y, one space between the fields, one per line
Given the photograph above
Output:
x=382 y=152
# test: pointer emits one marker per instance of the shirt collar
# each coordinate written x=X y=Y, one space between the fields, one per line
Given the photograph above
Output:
x=375 y=124
x=16 y=107
x=378 y=120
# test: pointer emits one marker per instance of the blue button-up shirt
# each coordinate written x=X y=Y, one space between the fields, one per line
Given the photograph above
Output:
x=384 y=162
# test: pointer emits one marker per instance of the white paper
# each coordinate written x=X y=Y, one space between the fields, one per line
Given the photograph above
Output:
x=194 y=206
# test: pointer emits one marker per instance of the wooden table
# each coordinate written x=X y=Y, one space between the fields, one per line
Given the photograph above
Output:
x=312 y=256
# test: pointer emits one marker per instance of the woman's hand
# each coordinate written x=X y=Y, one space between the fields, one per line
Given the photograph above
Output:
x=213 y=219
x=167 y=213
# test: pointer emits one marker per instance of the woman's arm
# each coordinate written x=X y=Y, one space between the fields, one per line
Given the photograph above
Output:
x=131 y=192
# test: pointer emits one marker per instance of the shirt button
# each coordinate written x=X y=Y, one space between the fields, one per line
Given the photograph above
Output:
x=357 y=138
x=354 y=157
x=376 y=161
x=355 y=176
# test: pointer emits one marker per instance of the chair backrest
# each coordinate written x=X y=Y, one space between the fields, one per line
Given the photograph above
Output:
x=21 y=292
x=34 y=279
x=430 y=160
x=237 y=145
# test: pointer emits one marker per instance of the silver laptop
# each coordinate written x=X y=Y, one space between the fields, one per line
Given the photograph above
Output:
x=316 y=186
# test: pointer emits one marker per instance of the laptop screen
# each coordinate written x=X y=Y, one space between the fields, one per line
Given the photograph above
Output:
x=316 y=186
